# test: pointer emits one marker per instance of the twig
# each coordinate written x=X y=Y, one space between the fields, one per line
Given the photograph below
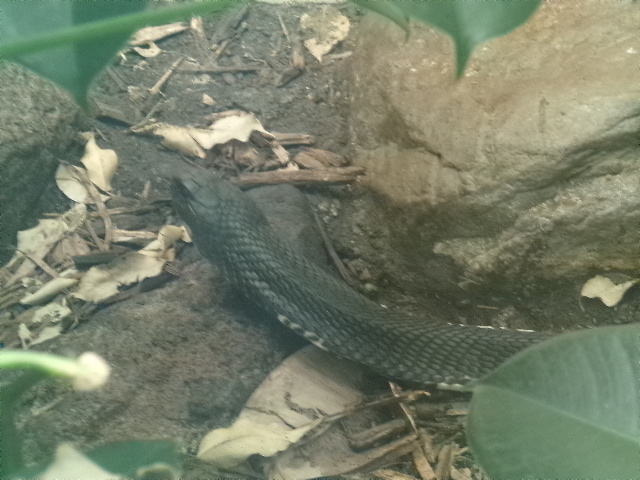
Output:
x=97 y=240
x=284 y=28
x=122 y=86
x=337 y=262
x=155 y=90
x=102 y=211
x=227 y=26
x=220 y=69
x=40 y=263
x=199 y=37
x=293 y=138
x=328 y=176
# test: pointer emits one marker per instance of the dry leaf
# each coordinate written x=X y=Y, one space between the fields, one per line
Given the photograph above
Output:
x=207 y=100
x=606 y=290
x=289 y=403
x=229 y=448
x=153 y=34
x=150 y=51
x=232 y=127
x=101 y=164
x=167 y=237
x=103 y=281
x=47 y=333
x=51 y=313
x=69 y=181
x=175 y=138
x=195 y=141
x=328 y=27
x=36 y=242
x=48 y=291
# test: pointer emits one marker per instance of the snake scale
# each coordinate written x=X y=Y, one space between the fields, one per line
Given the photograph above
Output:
x=231 y=231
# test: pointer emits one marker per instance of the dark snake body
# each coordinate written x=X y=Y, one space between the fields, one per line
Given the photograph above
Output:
x=230 y=230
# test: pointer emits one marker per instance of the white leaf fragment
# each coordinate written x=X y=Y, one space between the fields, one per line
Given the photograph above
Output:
x=101 y=163
x=48 y=291
x=153 y=34
x=327 y=28
x=286 y=407
x=606 y=290
x=36 y=242
x=196 y=141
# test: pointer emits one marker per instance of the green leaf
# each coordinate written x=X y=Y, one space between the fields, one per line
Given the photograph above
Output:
x=468 y=22
x=10 y=438
x=74 y=65
x=127 y=459
x=387 y=9
x=69 y=42
x=564 y=409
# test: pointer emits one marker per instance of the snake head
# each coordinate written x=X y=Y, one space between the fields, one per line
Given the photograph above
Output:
x=208 y=203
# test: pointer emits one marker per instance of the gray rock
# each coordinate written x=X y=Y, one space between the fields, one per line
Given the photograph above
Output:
x=38 y=124
x=290 y=215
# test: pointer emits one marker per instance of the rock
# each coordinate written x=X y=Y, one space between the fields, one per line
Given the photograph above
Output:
x=290 y=215
x=38 y=125
x=527 y=168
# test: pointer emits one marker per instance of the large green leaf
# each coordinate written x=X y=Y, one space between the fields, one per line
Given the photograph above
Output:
x=73 y=65
x=567 y=408
x=127 y=459
x=468 y=22
x=70 y=41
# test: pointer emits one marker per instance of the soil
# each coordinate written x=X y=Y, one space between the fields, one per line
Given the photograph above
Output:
x=180 y=351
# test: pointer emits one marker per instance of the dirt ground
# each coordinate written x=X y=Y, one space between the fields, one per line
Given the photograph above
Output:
x=188 y=392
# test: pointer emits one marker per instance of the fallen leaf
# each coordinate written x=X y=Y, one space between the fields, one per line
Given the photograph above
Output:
x=207 y=100
x=48 y=291
x=153 y=34
x=229 y=448
x=328 y=27
x=51 y=313
x=288 y=404
x=47 y=333
x=101 y=163
x=167 y=237
x=195 y=141
x=606 y=290
x=175 y=138
x=103 y=281
x=150 y=51
x=36 y=242
x=232 y=127
x=69 y=181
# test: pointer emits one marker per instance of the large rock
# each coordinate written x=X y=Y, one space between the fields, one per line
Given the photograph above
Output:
x=38 y=126
x=526 y=168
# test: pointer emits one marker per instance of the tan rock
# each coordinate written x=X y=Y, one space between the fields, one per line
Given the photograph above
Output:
x=526 y=167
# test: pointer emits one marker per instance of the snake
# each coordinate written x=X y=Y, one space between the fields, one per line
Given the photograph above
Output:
x=231 y=231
